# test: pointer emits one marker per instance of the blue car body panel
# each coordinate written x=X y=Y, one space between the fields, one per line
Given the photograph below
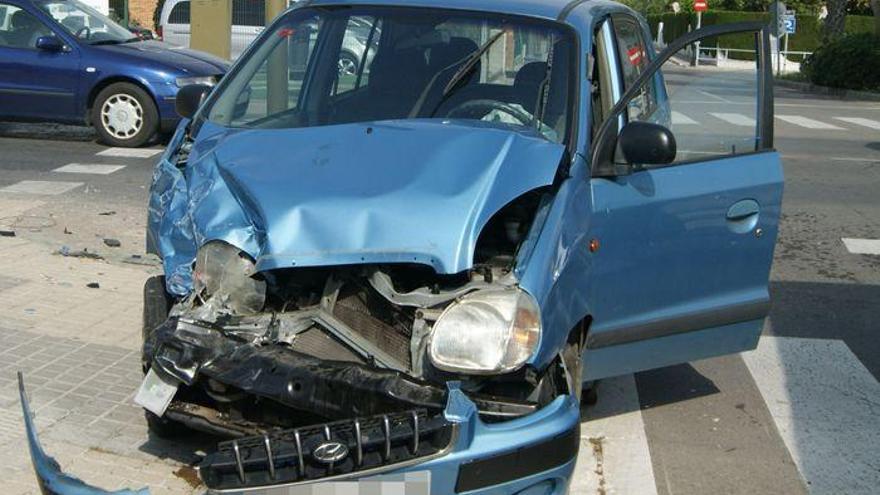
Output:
x=39 y=85
x=304 y=202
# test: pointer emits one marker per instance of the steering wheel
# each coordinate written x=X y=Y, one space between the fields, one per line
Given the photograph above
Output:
x=480 y=108
x=85 y=29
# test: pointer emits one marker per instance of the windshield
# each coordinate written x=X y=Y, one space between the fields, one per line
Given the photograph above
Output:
x=86 y=23
x=333 y=66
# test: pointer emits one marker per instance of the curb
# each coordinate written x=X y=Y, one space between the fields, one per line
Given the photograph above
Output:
x=842 y=94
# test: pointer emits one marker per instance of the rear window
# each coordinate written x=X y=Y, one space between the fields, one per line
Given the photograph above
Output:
x=179 y=14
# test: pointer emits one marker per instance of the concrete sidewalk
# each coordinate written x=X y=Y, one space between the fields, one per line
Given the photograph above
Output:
x=79 y=350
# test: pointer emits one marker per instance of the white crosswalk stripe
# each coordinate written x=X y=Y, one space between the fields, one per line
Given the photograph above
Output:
x=89 y=168
x=130 y=152
x=862 y=246
x=44 y=187
x=614 y=455
x=682 y=119
x=823 y=401
x=735 y=119
x=871 y=124
x=807 y=123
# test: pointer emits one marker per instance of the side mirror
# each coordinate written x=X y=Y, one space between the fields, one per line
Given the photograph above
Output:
x=644 y=143
x=49 y=44
x=189 y=98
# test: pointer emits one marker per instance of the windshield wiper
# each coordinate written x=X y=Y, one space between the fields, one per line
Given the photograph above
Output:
x=465 y=66
x=470 y=63
x=538 y=117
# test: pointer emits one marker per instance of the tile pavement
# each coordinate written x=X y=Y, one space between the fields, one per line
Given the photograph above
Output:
x=79 y=350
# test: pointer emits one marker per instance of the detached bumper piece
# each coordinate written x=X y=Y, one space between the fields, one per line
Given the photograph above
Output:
x=356 y=447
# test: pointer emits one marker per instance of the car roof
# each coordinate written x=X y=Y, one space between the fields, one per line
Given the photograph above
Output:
x=547 y=9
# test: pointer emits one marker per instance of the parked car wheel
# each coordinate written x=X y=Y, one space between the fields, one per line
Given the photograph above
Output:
x=125 y=115
x=348 y=64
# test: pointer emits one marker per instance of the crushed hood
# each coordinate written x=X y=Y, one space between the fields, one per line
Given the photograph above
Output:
x=399 y=191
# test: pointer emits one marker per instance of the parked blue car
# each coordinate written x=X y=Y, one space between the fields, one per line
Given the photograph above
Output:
x=415 y=268
x=62 y=61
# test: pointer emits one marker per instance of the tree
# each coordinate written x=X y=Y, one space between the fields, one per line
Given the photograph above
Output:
x=835 y=23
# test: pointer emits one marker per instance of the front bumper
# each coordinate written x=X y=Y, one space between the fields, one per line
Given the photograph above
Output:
x=531 y=455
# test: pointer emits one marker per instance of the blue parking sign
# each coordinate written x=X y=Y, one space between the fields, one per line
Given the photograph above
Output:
x=790 y=23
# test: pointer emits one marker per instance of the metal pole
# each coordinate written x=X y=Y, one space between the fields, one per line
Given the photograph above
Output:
x=786 y=48
x=697 y=44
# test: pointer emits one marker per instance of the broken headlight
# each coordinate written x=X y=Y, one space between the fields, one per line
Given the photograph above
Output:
x=486 y=332
x=225 y=274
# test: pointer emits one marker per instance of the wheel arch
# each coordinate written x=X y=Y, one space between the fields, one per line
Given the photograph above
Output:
x=107 y=81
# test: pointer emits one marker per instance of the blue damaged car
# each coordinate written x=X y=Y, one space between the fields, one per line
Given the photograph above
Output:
x=412 y=270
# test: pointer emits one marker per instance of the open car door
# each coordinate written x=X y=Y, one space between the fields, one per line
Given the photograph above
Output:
x=687 y=192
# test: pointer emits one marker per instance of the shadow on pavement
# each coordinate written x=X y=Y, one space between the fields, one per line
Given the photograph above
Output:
x=56 y=132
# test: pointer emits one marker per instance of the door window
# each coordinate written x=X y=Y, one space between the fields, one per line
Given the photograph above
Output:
x=20 y=29
x=179 y=14
x=633 y=59
x=715 y=106
x=358 y=50
x=274 y=77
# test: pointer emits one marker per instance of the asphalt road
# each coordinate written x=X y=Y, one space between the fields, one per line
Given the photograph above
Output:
x=722 y=425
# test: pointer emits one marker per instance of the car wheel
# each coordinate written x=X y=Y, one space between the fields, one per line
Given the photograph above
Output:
x=124 y=115
x=157 y=304
x=348 y=64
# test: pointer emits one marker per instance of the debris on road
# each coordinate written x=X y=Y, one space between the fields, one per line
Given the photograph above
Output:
x=112 y=242
x=107 y=213
x=93 y=285
x=7 y=233
x=84 y=253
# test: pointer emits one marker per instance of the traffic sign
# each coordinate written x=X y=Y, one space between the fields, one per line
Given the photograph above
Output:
x=789 y=21
x=701 y=5
x=777 y=12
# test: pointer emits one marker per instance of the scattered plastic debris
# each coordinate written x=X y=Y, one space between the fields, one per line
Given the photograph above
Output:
x=7 y=233
x=84 y=253
x=107 y=213
x=112 y=242
x=93 y=285
x=67 y=231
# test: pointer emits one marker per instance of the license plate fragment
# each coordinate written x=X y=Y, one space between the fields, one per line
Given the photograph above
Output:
x=155 y=393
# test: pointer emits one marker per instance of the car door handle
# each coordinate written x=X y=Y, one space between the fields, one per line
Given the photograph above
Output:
x=742 y=210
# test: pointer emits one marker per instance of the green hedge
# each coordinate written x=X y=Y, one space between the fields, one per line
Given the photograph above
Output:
x=806 y=39
x=852 y=62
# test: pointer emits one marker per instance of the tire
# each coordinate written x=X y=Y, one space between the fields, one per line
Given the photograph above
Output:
x=348 y=64
x=157 y=304
x=124 y=115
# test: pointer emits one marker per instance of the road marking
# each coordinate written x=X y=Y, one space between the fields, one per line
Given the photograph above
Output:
x=682 y=119
x=614 y=455
x=862 y=246
x=724 y=100
x=824 y=403
x=89 y=168
x=807 y=123
x=872 y=124
x=130 y=152
x=41 y=187
x=735 y=119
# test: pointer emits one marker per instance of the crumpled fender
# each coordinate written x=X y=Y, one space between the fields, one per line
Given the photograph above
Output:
x=49 y=475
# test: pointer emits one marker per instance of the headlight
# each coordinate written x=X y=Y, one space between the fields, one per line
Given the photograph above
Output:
x=186 y=81
x=486 y=332
x=225 y=273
